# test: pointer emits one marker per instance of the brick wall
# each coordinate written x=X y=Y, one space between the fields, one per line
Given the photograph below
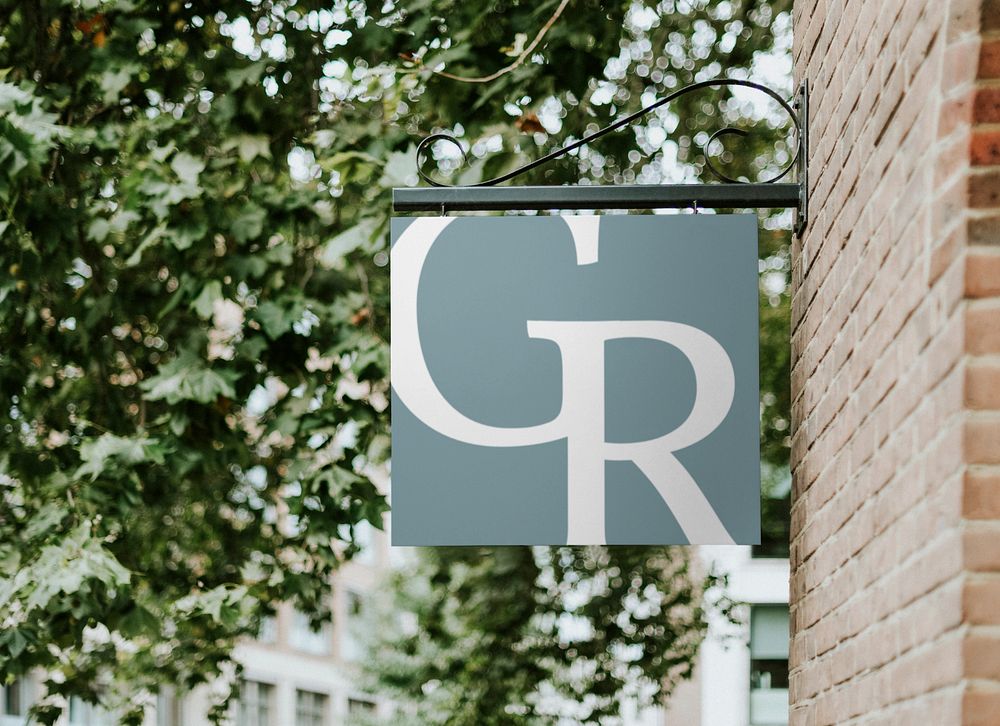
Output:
x=896 y=366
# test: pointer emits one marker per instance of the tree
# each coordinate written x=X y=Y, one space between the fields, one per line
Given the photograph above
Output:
x=483 y=636
x=193 y=305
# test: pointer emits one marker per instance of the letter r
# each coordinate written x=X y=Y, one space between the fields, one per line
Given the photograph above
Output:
x=582 y=344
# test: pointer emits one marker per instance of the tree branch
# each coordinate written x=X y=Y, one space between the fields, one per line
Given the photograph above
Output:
x=520 y=59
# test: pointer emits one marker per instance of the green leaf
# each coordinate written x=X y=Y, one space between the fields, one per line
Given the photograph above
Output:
x=139 y=621
x=249 y=222
x=187 y=378
x=178 y=423
x=248 y=74
x=204 y=304
x=182 y=236
x=113 y=82
x=187 y=167
x=277 y=318
x=16 y=643
x=73 y=565
x=353 y=166
x=282 y=254
x=250 y=146
x=121 y=220
x=148 y=241
x=400 y=169
x=98 y=229
x=334 y=251
x=96 y=454
x=46 y=520
x=218 y=603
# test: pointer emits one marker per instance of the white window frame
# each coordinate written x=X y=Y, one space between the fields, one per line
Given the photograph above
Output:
x=324 y=705
x=255 y=688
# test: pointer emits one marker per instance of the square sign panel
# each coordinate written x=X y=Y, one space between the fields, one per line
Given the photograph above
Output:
x=575 y=380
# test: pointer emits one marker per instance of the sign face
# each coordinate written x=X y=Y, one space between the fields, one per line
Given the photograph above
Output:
x=575 y=380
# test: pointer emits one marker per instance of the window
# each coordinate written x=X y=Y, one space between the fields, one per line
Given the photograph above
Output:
x=254 y=707
x=304 y=638
x=769 y=665
x=168 y=708
x=12 y=705
x=310 y=708
x=82 y=713
x=16 y=702
x=351 y=648
x=360 y=707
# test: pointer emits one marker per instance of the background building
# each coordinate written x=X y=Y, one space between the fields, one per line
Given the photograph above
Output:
x=295 y=675
x=292 y=674
x=741 y=676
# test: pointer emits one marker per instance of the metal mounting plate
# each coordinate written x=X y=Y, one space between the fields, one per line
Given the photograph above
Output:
x=485 y=196
x=801 y=105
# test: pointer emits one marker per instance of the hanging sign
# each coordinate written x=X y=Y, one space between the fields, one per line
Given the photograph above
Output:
x=575 y=380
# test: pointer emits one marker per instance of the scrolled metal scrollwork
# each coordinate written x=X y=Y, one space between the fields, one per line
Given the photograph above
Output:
x=729 y=130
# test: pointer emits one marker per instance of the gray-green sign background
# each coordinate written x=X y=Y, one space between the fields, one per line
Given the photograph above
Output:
x=483 y=278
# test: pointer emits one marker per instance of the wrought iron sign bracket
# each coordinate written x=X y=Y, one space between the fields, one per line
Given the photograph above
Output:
x=732 y=193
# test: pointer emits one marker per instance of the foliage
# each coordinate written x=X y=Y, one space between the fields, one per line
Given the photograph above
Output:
x=193 y=301
x=192 y=392
x=531 y=635
x=776 y=514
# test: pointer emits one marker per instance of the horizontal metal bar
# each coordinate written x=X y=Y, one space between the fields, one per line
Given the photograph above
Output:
x=634 y=196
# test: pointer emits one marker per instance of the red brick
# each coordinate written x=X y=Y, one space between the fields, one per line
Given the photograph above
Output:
x=984 y=230
x=981 y=601
x=982 y=274
x=989 y=59
x=984 y=189
x=990 y=15
x=982 y=384
x=982 y=327
x=981 y=547
x=986 y=108
x=980 y=707
x=985 y=149
x=982 y=656
x=981 y=495
x=982 y=440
